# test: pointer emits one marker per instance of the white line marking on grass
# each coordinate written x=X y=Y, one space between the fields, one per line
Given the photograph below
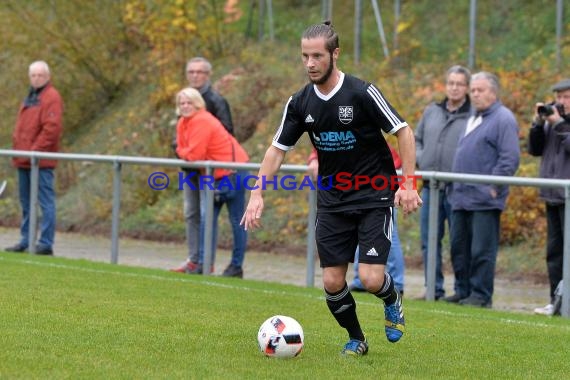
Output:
x=504 y=320
x=484 y=316
x=192 y=280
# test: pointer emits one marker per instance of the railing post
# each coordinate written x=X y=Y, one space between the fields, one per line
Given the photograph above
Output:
x=433 y=225
x=116 y=212
x=33 y=215
x=311 y=249
x=565 y=309
x=209 y=223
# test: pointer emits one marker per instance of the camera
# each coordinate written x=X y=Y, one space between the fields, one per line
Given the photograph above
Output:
x=548 y=109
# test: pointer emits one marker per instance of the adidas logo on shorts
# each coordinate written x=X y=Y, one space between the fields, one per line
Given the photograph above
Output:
x=372 y=252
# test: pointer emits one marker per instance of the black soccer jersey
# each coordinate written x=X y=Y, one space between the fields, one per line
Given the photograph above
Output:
x=356 y=169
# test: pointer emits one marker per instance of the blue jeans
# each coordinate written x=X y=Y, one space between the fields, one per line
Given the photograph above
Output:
x=234 y=199
x=46 y=199
x=474 y=246
x=395 y=265
x=443 y=215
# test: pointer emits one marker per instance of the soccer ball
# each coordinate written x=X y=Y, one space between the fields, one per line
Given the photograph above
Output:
x=280 y=337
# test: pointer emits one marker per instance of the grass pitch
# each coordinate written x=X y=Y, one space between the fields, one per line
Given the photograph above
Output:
x=63 y=318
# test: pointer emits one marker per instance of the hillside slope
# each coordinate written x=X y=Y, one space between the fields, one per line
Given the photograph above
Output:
x=119 y=87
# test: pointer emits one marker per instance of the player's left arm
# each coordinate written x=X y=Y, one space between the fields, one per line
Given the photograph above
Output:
x=407 y=196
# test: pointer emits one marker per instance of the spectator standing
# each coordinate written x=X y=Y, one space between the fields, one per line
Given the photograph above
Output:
x=437 y=135
x=550 y=138
x=198 y=72
x=201 y=136
x=38 y=128
x=489 y=146
x=344 y=117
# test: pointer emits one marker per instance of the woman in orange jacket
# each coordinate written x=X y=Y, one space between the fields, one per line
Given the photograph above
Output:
x=201 y=137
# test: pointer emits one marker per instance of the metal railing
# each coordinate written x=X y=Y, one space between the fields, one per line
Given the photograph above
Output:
x=433 y=177
x=118 y=162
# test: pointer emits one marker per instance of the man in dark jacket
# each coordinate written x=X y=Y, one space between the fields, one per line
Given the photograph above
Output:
x=490 y=145
x=38 y=128
x=437 y=134
x=550 y=138
x=198 y=72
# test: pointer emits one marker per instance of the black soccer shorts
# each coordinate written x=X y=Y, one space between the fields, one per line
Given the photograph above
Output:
x=339 y=233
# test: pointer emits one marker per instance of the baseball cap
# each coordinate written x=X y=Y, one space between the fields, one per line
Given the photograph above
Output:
x=561 y=86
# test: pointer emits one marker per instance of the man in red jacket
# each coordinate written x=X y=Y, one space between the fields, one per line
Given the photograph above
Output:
x=38 y=128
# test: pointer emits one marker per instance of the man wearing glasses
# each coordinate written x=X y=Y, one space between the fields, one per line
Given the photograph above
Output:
x=198 y=71
x=436 y=141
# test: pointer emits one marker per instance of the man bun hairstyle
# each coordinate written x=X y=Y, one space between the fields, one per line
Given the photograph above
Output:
x=323 y=30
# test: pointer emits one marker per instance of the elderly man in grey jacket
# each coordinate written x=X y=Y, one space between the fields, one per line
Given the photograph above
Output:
x=490 y=145
x=436 y=140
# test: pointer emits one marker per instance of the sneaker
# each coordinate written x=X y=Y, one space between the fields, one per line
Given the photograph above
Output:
x=198 y=269
x=395 y=323
x=548 y=310
x=45 y=251
x=355 y=347
x=475 y=301
x=187 y=266
x=452 y=299
x=18 y=248
x=233 y=271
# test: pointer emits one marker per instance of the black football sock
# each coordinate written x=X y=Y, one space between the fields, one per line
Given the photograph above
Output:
x=343 y=308
x=387 y=292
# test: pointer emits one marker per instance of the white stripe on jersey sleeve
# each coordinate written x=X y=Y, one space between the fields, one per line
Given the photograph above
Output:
x=280 y=130
x=395 y=122
x=281 y=146
x=397 y=128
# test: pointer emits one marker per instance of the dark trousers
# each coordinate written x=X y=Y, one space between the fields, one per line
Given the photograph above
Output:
x=474 y=247
x=444 y=214
x=555 y=245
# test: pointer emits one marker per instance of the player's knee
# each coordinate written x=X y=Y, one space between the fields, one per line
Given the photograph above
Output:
x=372 y=278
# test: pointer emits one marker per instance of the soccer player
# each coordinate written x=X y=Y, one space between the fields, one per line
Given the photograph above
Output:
x=345 y=117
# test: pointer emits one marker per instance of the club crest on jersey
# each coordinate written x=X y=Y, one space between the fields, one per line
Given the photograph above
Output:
x=345 y=114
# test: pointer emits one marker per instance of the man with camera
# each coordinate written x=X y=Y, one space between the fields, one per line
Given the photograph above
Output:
x=550 y=138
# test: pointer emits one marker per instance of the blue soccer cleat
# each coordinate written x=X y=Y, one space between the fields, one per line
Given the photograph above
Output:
x=395 y=323
x=355 y=347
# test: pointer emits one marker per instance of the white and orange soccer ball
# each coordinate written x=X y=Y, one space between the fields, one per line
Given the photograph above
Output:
x=280 y=337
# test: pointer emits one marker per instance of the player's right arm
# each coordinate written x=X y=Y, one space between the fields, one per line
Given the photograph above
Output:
x=269 y=167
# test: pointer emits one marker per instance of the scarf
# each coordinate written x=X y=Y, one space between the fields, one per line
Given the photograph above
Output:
x=33 y=96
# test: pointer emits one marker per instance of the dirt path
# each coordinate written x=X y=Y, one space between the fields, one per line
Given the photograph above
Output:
x=518 y=296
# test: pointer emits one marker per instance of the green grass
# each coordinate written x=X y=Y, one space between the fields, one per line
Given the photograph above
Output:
x=65 y=318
